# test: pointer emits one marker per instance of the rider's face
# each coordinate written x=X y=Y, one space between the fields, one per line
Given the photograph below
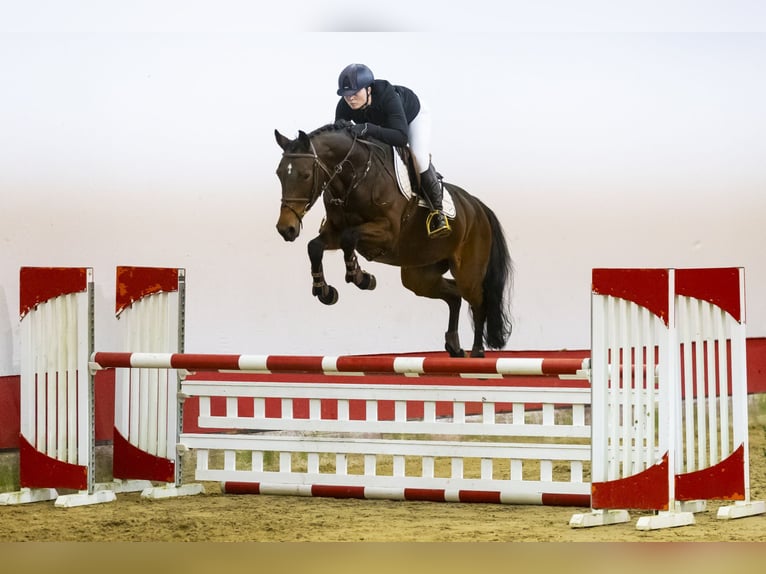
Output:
x=357 y=100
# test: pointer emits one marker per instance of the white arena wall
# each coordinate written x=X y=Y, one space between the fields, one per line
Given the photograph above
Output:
x=156 y=148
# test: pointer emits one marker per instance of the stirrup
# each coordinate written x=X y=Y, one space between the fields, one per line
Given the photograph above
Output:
x=441 y=231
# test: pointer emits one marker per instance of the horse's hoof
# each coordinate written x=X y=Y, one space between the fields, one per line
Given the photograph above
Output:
x=366 y=283
x=454 y=352
x=369 y=282
x=477 y=353
x=329 y=298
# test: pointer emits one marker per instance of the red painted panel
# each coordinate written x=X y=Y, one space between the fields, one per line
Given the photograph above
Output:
x=646 y=287
x=41 y=471
x=647 y=490
x=719 y=286
x=131 y=462
x=40 y=284
x=723 y=481
x=133 y=283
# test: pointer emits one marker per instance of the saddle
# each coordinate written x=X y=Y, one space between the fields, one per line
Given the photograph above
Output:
x=407 y=181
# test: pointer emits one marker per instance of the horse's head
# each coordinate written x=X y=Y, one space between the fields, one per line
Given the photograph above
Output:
x=304 y=175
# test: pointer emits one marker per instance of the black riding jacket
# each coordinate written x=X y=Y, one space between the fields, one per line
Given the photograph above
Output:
x=389 y=115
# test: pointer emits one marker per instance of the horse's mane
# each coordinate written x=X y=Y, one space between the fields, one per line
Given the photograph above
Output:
x=335 y=126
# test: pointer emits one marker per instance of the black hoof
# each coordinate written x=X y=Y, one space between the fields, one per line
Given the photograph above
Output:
x=454 y=352
x=477 y=353
x=368 y=282
x=329 y=298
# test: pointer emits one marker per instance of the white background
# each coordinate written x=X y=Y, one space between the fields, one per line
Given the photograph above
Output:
x=603 y=134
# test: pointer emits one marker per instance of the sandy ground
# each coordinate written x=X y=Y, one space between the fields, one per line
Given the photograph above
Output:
x=217 y=517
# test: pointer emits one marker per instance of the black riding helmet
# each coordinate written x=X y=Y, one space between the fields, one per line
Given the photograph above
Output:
x=353 y=78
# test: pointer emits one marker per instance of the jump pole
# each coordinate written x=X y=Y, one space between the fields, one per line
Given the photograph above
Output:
x=344 y=364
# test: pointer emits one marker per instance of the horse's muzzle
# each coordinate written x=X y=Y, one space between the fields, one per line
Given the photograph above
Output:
x=288 y=232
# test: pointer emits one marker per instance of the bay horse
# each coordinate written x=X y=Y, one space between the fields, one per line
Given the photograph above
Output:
x=366 y=213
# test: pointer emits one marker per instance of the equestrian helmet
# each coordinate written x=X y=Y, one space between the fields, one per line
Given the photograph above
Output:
x=353 y=78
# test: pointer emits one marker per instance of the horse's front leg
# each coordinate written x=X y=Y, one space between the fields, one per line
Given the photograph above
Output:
x=327 y=294
x=354 y=273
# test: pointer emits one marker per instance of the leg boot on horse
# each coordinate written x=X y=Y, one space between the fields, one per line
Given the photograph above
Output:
x=431 y=187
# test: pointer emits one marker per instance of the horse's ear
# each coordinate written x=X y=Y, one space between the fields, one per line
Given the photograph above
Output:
x=281 y=140
x=304 y=139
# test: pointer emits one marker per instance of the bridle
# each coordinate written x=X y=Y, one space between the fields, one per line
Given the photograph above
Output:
x=317 y=191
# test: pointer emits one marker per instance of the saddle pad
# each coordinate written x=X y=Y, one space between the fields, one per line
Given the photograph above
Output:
x=403 y=179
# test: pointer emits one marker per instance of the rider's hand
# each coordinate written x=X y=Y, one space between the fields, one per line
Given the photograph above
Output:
x=359 y=130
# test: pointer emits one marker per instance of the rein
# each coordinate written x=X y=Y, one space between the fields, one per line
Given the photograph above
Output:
x=318 y=190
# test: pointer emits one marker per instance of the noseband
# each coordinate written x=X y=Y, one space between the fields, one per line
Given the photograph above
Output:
x=317 y=190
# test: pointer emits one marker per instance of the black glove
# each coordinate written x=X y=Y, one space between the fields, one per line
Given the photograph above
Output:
x=360 y=130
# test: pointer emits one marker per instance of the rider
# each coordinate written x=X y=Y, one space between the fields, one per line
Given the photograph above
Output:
x=396 y=116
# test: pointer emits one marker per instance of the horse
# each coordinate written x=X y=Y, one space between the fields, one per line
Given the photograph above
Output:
x=366 y=213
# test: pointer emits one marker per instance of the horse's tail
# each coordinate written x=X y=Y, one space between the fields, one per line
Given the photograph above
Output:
x=497 y=286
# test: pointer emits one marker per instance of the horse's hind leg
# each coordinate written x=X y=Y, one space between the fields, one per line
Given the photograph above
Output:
x=354 y=273
x=327 y=294
x=429 y=282
x=479 y=319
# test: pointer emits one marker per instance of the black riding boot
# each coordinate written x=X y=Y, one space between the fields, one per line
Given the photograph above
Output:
x=431 y=187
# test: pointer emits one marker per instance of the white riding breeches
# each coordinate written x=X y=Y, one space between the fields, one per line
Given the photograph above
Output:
x=420 y=137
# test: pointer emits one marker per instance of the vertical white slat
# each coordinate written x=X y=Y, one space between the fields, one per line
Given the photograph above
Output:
x=229 y=460
x=517 y=469
x=285 y=462
x=142 y=409
x=699 y=378
x=429 y=411
x=371 y=410
x=519 y=413
x=599 y=394
x=315 y=409
x=232 y=407
x=312 y=463
x=670 y=418
x=576 y=471
x=488 y=413
x=154 y=326
x=41 y=381
x=67 y=367
x=398 y=465
x=259 y=408
x=711 y=397
x=650 y=452
x=615 y=453
x=578 y=415
x=202 y=459
x=256 y=461
x=51 y=406
x=400 y=411
x=458 y=412
x=548 y=414
x=204 y=406
x=287 y=409
x=370 y=465
x=626 y=339
x=343 y=410
x=685 y=340
x=28 y=376
x=456 y=467
x=722 y=327
x=546 y=470
x=739 y=384
x=428 y=467
x=341 y=464
x=486 y=469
